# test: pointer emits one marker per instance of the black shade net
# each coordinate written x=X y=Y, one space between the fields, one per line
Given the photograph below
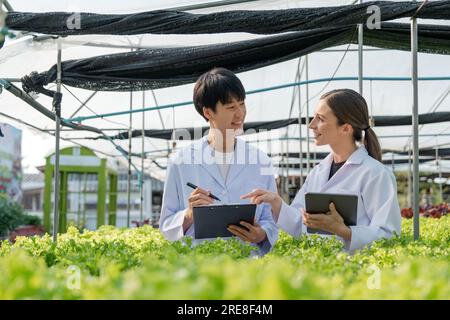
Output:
x=258 y=22
x=259 y=126
x=159 y=68
x=167 y=67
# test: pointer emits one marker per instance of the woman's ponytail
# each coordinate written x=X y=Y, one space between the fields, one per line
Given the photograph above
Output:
x=372 y=144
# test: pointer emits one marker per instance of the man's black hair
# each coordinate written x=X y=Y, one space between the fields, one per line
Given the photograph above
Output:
x=218 y=84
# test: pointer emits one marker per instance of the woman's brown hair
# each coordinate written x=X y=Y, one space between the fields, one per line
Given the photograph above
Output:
x=350 y=107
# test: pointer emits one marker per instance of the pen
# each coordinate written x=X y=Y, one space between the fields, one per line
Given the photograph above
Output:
x=193 y=186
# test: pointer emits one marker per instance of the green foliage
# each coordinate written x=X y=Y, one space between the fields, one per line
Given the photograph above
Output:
x=31 y=220
x=140 y=264
x=12 y=216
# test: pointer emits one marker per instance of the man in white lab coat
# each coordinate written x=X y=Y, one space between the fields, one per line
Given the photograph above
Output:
x=219 y=164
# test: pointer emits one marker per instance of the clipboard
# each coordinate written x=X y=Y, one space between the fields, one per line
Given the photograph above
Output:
x=346 y=205
x=212 y=221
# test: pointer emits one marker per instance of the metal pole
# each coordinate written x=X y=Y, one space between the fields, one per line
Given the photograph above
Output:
x=160 y=117
x=360 y=56
x=283 y=169
x=173 y=128
x=8 y=6
x=371 y=100
x=129 y=162
x=214 y=4
x=438 y=165
x=308 y=156
x=298 y=78
x=58 y=125
x=415 y=124
x=269 y=148
x=440 y=180
x=287 y=167
x=393 y=162
x=84 y=103
x=142 y=162
x=409 y=176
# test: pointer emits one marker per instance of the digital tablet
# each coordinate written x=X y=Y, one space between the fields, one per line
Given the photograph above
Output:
x=212 y=221
x=346 y=205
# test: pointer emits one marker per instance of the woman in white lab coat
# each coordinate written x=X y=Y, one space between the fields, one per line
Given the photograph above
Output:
x=341 y=120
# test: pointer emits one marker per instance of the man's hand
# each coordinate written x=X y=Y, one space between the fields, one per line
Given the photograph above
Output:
x=331 y=222
x=255 y=233
x=198 y=197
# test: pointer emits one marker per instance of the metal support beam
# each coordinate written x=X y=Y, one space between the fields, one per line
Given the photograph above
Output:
x=58 y=125
x=142 y=162
x=209 y=5
x=415 y=125
x=308 y=156
x=409 y=203
x=287 y=168
x=43 y=110
x=298 y=78
x=360 y=57
x=393 y=162
x=130 y=130
x=83 y=104
x=439 y=168
x=8 y=6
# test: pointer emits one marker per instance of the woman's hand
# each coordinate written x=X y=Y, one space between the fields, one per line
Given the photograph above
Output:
x=255 y=233
x=331 y=222
x=258 y=196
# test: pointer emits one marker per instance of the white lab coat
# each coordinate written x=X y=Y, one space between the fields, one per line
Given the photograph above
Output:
x=376 y=188
x=195 y=163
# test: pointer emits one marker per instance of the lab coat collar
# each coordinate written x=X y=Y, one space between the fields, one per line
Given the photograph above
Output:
x=356 y=158
x=201 y=143
x=242 y=153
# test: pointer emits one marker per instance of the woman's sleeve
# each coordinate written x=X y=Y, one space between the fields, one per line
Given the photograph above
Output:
x=266 y=221
x=290 y=217
x=379 y=197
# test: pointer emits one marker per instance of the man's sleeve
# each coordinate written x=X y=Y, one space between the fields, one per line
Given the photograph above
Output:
x=172 y=214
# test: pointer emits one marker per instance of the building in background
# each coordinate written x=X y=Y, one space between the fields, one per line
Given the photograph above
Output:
x=11 y=162
x=153 y=190
x=33 y=196
x=33 y=193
